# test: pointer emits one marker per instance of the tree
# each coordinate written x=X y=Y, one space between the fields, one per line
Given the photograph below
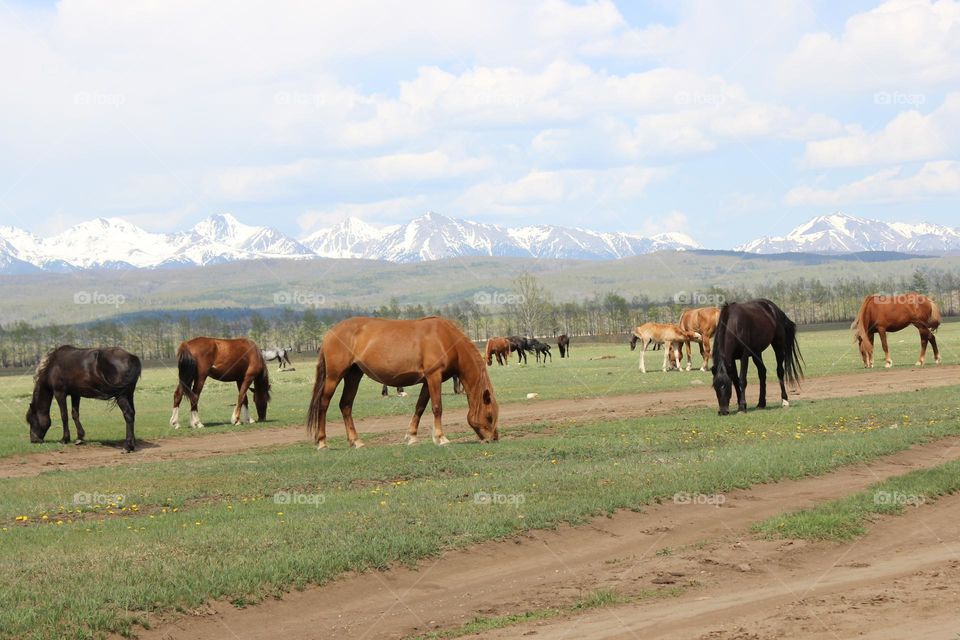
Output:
x=530 y=303
x=919 y=282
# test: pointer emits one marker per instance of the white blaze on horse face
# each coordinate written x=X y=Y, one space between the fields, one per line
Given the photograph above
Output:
x=175 y=418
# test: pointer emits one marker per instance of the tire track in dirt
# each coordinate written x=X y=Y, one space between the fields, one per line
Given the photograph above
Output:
x=566 y=411
x=554 y=568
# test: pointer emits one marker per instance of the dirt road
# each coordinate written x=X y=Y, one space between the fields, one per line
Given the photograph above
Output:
x=558 y=411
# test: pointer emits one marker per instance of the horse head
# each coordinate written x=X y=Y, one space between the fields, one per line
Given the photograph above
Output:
x=723 y=385
x=633 y=341
x=39 y=422
x=484 y=412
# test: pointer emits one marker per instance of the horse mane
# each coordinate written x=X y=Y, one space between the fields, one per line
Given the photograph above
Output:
x=860 y=321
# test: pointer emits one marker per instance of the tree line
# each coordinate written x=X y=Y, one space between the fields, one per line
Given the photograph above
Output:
x=526 y=308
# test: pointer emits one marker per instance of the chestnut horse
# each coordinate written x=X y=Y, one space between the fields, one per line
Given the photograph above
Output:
x=881 y=313
x=744 y=330
x=401 y=353
x=704 y=321
x=563 y=344
x=499 y=347
x=104 y=374
x=659 y=333
x=236 y=360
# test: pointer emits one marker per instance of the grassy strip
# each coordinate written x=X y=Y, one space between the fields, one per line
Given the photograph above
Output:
x=210 y=528
x=847 y=518
x=596 y=600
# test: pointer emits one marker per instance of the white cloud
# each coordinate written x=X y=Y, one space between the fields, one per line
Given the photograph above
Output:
x=895 y=46
x=909 y=136
x=940 y=178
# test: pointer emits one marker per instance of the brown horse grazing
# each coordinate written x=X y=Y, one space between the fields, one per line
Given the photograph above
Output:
x=880 y=314
x=236 y=360
x=401 y=353
x=704 y=321
x=104 y=374
x=499 y=347
x=563 y=344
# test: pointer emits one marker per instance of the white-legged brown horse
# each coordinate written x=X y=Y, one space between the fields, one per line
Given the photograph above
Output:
x=401 y=353
x=653 y=333
x=880 y=314
x=703 y=320
x=229 y=360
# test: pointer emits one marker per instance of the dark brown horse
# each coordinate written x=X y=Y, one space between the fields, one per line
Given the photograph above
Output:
x=401 y=353
x=744 y=330
x=563 y=344
x=499 y=347
x=880 y=314
x=237 y=360
x=104 y=374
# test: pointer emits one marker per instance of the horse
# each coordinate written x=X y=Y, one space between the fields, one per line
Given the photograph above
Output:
x=103 y=374
x=229 y=360
x=563 y=344
x=704 y=321
x=540 y=348
x=744 y=330
x=880 y=314
x=499 y=347
x=401 y=352
x=457 y=389
x=280 y=354
x=660 y=333
x=521 y=345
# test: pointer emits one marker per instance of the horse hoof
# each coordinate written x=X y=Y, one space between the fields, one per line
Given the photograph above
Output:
x=784 y=403
x=199 y=425
x=175 y=425
x=322 y=446
x=80 y=441
x=441 y=441
x=356 y=444
x=409 y=439
x=762 y=405
x=403 y=394
x=888 y=365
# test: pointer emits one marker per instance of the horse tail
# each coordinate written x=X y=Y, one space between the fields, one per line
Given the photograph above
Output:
x=792 y=358
x=313 y=414
x=859 y=324
x=934 y=321
x=187 y=369
x=262 y=381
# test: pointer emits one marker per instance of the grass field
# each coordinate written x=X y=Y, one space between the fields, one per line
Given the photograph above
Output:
x=591 y=373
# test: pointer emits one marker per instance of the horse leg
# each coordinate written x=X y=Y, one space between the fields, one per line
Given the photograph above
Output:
x=742 y=384
x=351 y=382
x=689 y=357
x=81 y=434
x=401 y=392
x=242 y=413
x=61 y=397
x=780 y=352
x=924 y=339
x=666 y=356
x=433 y=384
x=194 y=400
x=705 y=352
x=678 y=355
x=933 y=343
x=329 y=386
x=177 y=397
x=886 y=349
x=411 y=437
x=385 y=392
x=643 y=349
x=129 y=414
x=762 y=374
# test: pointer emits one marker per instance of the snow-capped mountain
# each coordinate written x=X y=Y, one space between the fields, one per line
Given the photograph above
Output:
x=350 y=238
x=842 y=233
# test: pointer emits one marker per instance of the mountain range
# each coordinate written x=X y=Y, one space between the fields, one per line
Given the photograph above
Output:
x=113 y=243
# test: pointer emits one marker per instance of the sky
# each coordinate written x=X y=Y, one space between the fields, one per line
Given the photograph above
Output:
x=725 y=120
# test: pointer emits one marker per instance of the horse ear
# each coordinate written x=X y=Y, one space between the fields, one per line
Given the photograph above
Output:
x=486 y=396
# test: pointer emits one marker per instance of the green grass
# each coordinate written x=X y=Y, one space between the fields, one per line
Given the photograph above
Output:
x=584 y=376
x=847 y=518
x=194 y=530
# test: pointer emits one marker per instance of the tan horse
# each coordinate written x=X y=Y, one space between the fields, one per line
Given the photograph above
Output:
x=881 y=313
x=401 y=353
x=499 y=347
x=238 y=360
x=661 y=333
x=704 y=321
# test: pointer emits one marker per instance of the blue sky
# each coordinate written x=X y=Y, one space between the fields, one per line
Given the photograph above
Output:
x=726 y=120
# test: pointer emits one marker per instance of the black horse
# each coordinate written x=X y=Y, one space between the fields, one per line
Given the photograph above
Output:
x=457 y=388
x=521 y=345
x=540 y=349
x=743 y=332
x=104 y=374
x=563 y=344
